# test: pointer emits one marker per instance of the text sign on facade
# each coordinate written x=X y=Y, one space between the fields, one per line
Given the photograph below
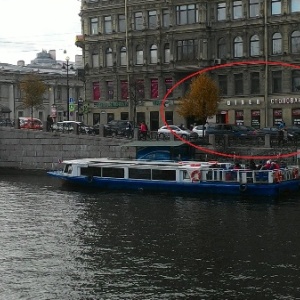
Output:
x=115 y=104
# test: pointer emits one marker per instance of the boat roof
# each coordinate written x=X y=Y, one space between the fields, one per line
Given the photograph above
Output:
x=154 y=144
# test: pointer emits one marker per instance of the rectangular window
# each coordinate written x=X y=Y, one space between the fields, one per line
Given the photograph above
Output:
x=223 y=84
x=276 y=7
x=277 y=81
x=94 y=26
x=239 y=117
x=138 y=20
x=296 y=81
x=121 y=23
x=140 y=89
x=96 y=91
x=187 y=50
x=296 y=116
x=221 y=11
x=124 y=89
x=169 y=117
x=237 y=10
x=238 y=84
x=95 y=60
x=165 y=18
x=295 y=6
x=110 y=90
x=152 y=19
x=58 y=93
x=107 y=25
x=154 y=88
x=254 y=8
x=277 y=116
x=187 y=14
x=255 y=83
x=255 y=119
x=168 y=86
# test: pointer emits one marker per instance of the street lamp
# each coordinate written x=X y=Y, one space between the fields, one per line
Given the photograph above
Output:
x=68 y=67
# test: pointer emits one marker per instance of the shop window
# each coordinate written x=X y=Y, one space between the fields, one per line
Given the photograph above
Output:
x=239 y=117
x=277 y=116
x=169 y=117
x=296 y=116
x=255 y=119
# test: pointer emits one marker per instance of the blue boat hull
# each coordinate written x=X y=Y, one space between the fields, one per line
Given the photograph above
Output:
x=208 y=187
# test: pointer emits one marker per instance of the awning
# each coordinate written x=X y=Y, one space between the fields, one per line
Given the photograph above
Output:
x=5 y=110
x=154 y=144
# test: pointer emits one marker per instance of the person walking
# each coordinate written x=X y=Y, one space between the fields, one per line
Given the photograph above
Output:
x=49 y=123
x=143 y=131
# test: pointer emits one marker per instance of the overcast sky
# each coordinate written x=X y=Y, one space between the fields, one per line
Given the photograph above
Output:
x=29 y=26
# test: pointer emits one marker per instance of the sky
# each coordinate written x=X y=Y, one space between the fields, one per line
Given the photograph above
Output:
x=29 y=26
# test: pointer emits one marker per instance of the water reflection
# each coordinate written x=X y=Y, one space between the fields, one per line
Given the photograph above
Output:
x=62 y=244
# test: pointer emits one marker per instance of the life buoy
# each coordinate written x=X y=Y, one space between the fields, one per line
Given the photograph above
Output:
x=295 y=173
x=196 y=175
x=278 y=176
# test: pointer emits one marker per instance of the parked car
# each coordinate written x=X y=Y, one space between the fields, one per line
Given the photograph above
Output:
x=274 y=132
x=6 y=122
x=30 y=123
x=116 y=127
x=200 y=130
x=249 y=130
x=164 y=131
x=69 y=126
x=222 y=128
x=294 y=131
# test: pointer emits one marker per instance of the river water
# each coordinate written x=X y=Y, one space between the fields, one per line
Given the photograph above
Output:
x=69 y=244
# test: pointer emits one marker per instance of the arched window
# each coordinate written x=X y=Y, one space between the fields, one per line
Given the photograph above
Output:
x=254 y=45
x=167 y=53
x=222 y=48
x=109 y=57
x=295 y=42
x=238 y=47
x=123 y=56
x=276 y=43
x=153 y=54
x=139 y=55
x=95 y=60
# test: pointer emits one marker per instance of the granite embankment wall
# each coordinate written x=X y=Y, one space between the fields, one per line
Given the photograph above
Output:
x=29 y=149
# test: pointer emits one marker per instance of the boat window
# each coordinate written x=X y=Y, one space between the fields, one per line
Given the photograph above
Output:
x=164 y=175
x=113 y=172
x=91 y=171
x=140 y=173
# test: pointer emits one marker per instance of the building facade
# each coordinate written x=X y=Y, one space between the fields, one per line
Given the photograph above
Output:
x=134 y=52
x=61 y=83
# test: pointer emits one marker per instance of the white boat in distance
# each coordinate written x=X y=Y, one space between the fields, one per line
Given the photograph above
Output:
x=194 y=178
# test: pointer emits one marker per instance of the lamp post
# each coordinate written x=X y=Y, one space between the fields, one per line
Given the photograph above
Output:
x=68 y=67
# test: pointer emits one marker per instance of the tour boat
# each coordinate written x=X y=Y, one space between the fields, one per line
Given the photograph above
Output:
x=194 y=178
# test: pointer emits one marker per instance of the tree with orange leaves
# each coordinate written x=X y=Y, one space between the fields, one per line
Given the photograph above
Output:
x=201 y=101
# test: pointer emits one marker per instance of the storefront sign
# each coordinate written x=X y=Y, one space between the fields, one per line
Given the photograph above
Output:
x=284 y=100
x=114 y=104
x=243 y=102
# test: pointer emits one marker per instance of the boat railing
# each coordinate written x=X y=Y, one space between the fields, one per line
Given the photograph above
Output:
x=246 y=175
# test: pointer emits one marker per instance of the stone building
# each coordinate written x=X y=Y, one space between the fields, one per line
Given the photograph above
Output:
x=134 y=51
x=60 y=77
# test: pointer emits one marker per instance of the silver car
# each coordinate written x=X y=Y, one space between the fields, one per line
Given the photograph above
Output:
x=164 y=131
